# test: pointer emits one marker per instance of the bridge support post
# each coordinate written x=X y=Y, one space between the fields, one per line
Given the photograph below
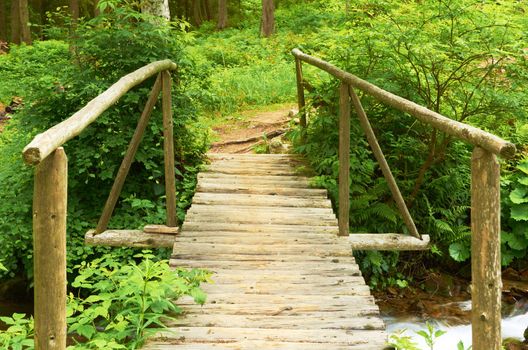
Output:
x=344 y=160
x=168 y=150
x=485 y=251
x=300 y=98
x=49 y=251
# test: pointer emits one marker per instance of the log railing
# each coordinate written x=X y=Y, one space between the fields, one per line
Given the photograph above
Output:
x=50 y=193
x=485 y=186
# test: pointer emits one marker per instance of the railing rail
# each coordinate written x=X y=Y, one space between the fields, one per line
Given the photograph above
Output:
x=485 y=188
x=50 y=193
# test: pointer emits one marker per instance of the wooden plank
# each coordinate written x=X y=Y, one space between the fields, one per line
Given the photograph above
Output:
x=261 y=239
x=284 y=220
x=250 y=249
x=334 y=289
x=269 y=190
x=344 y=160
x=242 y=299
x=262 y=259
x=300 y=98
x=243 y=166
x=314 y=321
x=161 y=229
x=256 y=199
x=374 y=344
x=49 y=247
x=249 y=178
x=295 y=271
x=225 y=334
x=124 y=168
x=254 y=182
x=255 y=228
x=168 y=150
x=343 y=265
x=485 y=251
x=260 y=209
x=248 y=278
x=388 y=241
x=252 y=156
x=252 y=171
x=129 y=238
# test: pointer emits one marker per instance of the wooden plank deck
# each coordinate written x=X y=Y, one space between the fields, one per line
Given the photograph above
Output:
x=283 y=279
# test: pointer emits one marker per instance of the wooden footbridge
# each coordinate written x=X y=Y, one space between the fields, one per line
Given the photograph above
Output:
x=284 y=276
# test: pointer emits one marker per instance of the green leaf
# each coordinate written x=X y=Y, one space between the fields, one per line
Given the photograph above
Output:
x=523 y=166
x=86 y=330
x=519 y=195
x=459 y=251
x=519 y=212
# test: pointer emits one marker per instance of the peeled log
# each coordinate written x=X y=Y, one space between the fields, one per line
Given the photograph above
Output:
x=45 y=143
x=388 y=241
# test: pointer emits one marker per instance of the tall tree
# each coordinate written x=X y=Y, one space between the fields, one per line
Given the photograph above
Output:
x=23 y=12
x=3 y=24
x=74 y=11
x=267 y=25
x=222 y=14
x=156 y=7
x=15 y=25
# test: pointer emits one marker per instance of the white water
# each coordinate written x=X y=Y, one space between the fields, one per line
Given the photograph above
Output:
x=512 y=327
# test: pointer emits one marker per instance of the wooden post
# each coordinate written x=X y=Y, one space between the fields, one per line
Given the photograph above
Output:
x=385 y=169
x=128 y=158
x=344 y=160
x=300 y=98
x=168 y=150
x=485 y=251
x=49 y=251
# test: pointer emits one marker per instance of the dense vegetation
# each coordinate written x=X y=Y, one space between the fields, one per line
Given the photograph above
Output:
x=466 y=59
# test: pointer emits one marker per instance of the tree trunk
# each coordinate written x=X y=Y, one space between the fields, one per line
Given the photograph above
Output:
x=197 y=13
x=15 y=23
x=222 y=14
x=207 y=9
x=158 y=8
x=25 y=34
x=268 y=20
x=3 y=24
x=96 y=8
x=74 y=11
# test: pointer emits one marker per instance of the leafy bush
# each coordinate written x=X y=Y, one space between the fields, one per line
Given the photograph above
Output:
x=126 y=302
x=460 y=58
x=105 y=49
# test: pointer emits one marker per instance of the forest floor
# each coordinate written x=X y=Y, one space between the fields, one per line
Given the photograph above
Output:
x=243 y=131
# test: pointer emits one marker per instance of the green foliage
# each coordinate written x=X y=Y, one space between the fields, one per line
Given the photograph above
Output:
x=54 y=82
x=19 y=333
x=460 y=58
x=514 y=237
x=430 y=334
x=126 y=301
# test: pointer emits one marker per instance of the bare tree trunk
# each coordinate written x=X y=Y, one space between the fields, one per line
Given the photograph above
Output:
x=197 y=12
x=96 y=8
x=3 y=24
x=158 y=8
x=207 y=9
x=15 y=23
x=74 y=11
x=25 y=34
x=222 y=14
x=268 y=19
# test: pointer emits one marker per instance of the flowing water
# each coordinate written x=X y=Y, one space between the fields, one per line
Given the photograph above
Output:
x=513 y=326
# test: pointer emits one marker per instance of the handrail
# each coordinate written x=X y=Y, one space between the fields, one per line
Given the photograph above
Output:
x=485 y=189
x=50 y=192
x=45 y=143
x=466 y=132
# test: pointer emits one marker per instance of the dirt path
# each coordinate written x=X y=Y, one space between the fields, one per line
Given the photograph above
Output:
x=239 y=135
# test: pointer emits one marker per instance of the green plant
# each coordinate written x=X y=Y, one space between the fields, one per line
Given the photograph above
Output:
x=19 y=334
x=430 y=334
x=118 y=303
x=127 y=300
x=515 y=213
x=103 y=50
